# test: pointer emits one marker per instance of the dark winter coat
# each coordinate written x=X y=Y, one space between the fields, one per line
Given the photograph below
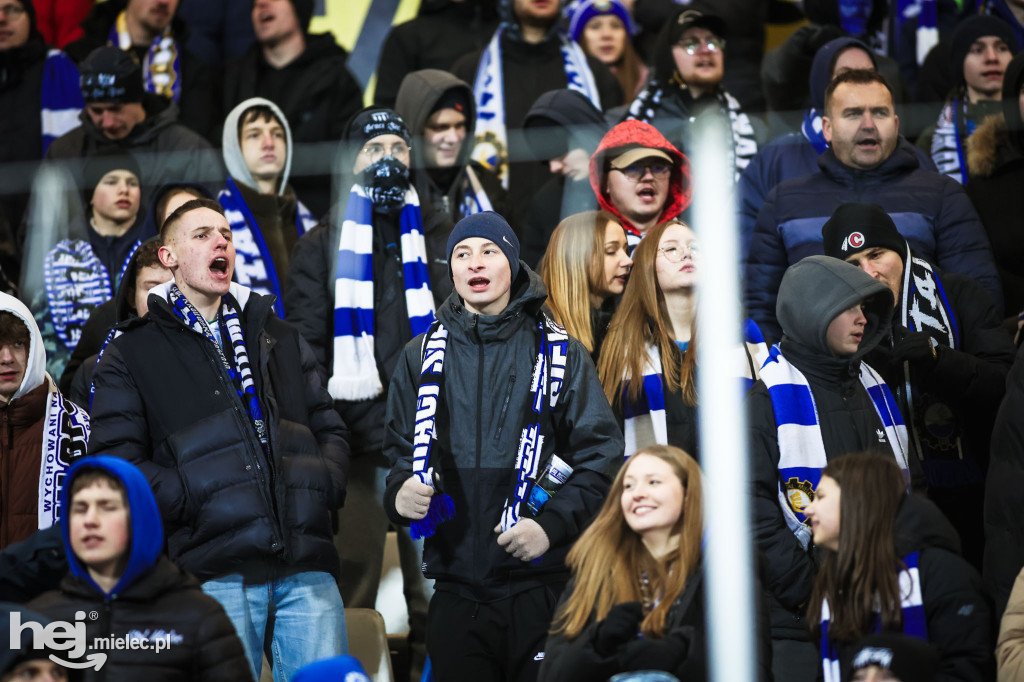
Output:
x=199 y=104
x=318 y=96
x=227 y=507
x=487 y=368
x=151 y=143
x=33 y=566
x=153 y=599
x=443 y=32
x=846 y=414
x=931 y=211
x=21 y=442
x=1004 y=513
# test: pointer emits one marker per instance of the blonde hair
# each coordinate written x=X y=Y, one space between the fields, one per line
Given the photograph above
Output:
x=572 y=267
x=641 y=320
x=609 y=557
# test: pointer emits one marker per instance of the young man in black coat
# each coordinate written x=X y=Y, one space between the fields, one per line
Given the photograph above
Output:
x=220 y=404
x=944 y=357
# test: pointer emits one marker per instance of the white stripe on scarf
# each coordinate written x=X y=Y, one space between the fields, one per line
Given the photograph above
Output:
x=647 y=425
x=801 y=448
x=65 y=439
x=354 y=374
x=491 y=150
x=60 y=97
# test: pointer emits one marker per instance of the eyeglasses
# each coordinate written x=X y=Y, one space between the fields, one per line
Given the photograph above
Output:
x=692 y=45
x=635 y=171
x=674 y=253
x=377 y=151
x=14 y=11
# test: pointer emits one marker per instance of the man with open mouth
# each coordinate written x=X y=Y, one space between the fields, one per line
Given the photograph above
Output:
x=221 y=405
x=866 y=158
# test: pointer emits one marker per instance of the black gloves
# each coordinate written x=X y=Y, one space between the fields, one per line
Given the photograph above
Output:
x=917 y=348
x=666 y=653
x=620 y=626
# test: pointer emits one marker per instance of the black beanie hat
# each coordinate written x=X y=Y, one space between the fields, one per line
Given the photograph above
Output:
x=491 y=226
x=373 y=121
x=109 y=74
x=971 y=29
x=99 y=164
x=908 y=658
x=857 y=227
x=304 y=13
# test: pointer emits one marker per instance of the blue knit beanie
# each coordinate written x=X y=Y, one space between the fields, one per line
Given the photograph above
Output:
x=582 y=11
x=491 y=226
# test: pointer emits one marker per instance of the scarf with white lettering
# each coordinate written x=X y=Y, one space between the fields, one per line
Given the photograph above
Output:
x=951 y=130
x=911 y=603
x=491 y=150
x=161 y=69
x=66 y=431
x=432 y=419
x=254 y=268
x=801 y=448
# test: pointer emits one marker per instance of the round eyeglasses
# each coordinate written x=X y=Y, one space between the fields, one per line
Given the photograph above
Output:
x=635 y=171
x=674 y=253
x=692 y=45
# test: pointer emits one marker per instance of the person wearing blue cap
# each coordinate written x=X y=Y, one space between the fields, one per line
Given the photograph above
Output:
x=478 y=406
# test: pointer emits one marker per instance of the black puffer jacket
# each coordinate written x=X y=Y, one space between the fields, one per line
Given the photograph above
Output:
x=164 y=402
x=487 y=368
x=848 y=419
x=204 y=645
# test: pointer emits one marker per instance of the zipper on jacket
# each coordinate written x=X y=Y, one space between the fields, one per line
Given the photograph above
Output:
x=479 y=429
x=504 y=408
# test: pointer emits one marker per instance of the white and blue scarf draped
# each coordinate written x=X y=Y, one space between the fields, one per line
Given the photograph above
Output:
x=915 y=623
x=545 y=389
x=76 y=283
x=474 y=198
x=354 y=374
x=491 y=150
x=161 y=69
x=60 y=97
x=254 y=267
x=924 y=307
x=801 y=448
x=237 y=367
x=951 y=130
x=926 y=14
x=65 y=440
x=644 y=422
x=812 y=130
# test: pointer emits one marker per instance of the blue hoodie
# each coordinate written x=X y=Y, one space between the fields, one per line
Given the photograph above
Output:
x=147 y=532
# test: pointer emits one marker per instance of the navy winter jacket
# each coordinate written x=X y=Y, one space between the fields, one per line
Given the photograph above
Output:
x=932 y=211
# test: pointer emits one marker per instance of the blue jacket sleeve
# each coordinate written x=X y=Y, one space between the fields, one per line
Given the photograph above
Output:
x=765 y=264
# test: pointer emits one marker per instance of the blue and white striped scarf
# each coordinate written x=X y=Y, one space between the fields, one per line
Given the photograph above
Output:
x=254 y=268
x=60 y=97
x=914 y=621
x=491 y=150
x=65 y=439
x=801 y=448
x=545 y=388
x=926 y=13
x=354 y=374
x=161 y=69
x=812 y=130
x=76 y=283
x=644 y=422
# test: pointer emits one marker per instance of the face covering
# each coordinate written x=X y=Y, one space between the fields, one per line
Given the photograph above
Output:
x=854 y=15
x=386 y=181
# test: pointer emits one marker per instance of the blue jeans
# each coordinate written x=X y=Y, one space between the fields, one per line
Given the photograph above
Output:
x=309 y=619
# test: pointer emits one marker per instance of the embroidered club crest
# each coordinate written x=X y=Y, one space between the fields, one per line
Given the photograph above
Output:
x=800 y=493
x=855 y=240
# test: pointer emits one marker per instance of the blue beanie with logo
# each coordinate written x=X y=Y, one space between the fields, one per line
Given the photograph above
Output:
x=492 y=227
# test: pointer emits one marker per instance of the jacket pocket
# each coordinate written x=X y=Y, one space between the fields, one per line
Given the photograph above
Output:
x=504 y=408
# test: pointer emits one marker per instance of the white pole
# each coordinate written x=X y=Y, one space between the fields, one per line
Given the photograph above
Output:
x=730 y=605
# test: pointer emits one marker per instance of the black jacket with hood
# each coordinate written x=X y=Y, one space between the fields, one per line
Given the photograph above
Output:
x=488 y=363
x=814 y=292
x=152 y=600
x=164 y=402
x=199 y=104
x=441 y=192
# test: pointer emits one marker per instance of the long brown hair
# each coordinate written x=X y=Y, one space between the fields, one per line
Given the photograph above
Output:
x=863 y=574
x=641 y=320
x=608 y=559
x=572 y=267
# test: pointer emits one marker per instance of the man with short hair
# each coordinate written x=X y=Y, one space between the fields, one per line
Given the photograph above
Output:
x=982 y=47
x=153 y=33
x=689 y=64
x=113 y=540
x=945 y=357
x=490 y=430
x=306 y=76
x=266 y=216
x=120 y=114
x=866 y=158
x=222 y=407
x=33 y=456
x=640 y=177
